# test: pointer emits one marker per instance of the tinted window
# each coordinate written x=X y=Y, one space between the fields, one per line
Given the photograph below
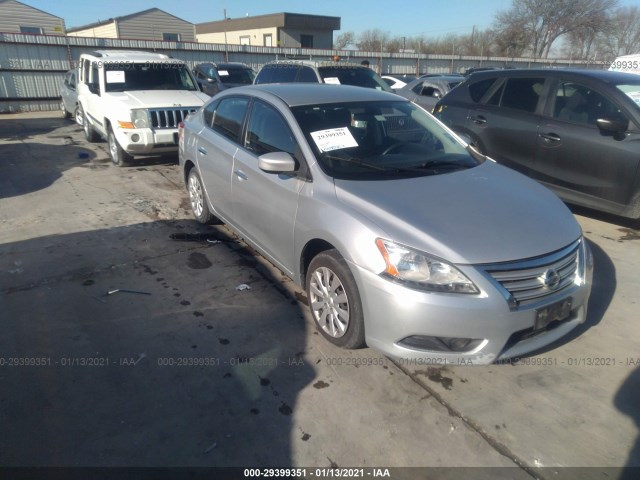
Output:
x=307 y=75
x=120 y=77
x=229 y=115
x=208 y=113
x=577 y=103
x=358 y=76
x=268 y=131
x=478 y=89
x=278 y=73
x=522 y=93
x=236 y=75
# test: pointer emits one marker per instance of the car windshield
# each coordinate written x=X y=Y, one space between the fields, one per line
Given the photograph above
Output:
x=237 y=75
x=120 y=77
x=632 y=90
x=379 y=140
x=358 y=76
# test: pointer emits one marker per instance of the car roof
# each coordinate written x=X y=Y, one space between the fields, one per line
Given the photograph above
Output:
x=315 y=63
x=131 y=56
x=224 y=65
x=297 y=94
x=605 y=76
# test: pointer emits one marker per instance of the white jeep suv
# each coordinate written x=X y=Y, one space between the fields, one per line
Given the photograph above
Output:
x=135 y=100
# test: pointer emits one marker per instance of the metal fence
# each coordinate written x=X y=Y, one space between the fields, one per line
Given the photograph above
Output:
x=32 y=67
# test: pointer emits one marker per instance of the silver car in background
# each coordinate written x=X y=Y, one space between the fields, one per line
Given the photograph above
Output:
x=404 y=237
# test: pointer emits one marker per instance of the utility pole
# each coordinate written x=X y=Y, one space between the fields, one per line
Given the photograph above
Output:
x=226 y=47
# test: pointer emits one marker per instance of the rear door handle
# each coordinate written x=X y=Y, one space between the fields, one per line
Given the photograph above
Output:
x=241 y=175
x=479 y=120
x=550 y=137
x=202 y=150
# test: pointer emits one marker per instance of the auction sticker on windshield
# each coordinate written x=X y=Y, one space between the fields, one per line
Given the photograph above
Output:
x=332 y=81
x=115 y=76
x=333 y=139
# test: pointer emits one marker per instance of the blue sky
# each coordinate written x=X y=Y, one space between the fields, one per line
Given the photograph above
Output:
x=399 y=18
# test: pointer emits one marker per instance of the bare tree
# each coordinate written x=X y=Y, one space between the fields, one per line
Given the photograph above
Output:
x=344 y=40
x=623 y=34
x=542 y=22
x=372 y=40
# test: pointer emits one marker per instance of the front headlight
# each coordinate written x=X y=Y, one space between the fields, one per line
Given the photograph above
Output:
x=140 y=118
x=418 y=270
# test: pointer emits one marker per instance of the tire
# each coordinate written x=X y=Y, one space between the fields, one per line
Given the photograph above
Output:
x=89 y=133
x=334 y=300
x=118 y=156
x=65 y=114
x=77 y=115
x=198 y=198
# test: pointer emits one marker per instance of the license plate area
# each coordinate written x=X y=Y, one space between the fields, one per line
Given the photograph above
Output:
x=558 y=311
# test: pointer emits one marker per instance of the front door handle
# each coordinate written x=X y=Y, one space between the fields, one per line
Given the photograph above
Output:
x=202 y=150
x=479 y=120
x=241 y=175
x=550 y=137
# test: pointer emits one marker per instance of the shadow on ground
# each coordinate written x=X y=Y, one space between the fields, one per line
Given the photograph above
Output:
x=180 y=367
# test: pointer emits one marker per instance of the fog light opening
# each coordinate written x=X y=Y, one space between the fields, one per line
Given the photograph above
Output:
x=135 y=137
x=441 y=344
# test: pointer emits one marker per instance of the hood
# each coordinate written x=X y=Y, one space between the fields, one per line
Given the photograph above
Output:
x=160 y=98
x=485 y=214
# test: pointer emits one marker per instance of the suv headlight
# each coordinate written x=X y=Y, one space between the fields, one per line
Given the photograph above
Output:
x=140 y=118
x=418 y=270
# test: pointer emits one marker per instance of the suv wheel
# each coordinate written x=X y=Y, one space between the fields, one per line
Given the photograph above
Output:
x=118 y=156
x=65 y=114
x=89 y=133
x=334 y=300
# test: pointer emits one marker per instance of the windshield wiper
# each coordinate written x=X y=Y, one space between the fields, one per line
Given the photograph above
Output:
x=360 y=163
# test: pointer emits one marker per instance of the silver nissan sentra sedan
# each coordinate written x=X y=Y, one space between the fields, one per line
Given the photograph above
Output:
x=406 y=239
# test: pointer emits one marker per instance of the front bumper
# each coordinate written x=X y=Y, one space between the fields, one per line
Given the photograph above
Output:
x=394 y=313
x=147 y=141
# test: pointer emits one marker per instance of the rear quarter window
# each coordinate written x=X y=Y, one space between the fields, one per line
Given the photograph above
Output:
x=478 y=89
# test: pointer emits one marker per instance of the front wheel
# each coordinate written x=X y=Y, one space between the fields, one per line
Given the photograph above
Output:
x=118 y=156
x=334 y=300
x=90 y=134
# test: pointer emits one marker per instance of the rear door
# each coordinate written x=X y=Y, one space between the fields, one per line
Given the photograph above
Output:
x=572 y=153
x=505 y=126
x=217 y=145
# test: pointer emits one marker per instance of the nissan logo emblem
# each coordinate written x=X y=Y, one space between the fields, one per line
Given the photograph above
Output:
x=551 y=279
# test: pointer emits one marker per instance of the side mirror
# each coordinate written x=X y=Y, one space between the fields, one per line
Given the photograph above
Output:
x=94 y=88
x=277 y=162
x=612 y=125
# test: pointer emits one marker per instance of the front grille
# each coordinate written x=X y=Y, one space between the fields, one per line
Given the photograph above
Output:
x=169 y=117
x=528 y=281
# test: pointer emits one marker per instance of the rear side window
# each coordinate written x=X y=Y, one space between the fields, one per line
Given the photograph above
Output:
x=229 y=115
x=478 y=89
x=307 y=75
x=522 y=94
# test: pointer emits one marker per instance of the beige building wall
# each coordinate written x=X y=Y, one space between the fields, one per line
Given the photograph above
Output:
x=151 y=26
x=103 y=31
x=14 y=15
x=255 y=37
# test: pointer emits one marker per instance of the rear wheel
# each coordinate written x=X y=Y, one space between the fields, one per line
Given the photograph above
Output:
x=334 y=300
x=65 y=114
x=198 y=199
x=118 y=156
